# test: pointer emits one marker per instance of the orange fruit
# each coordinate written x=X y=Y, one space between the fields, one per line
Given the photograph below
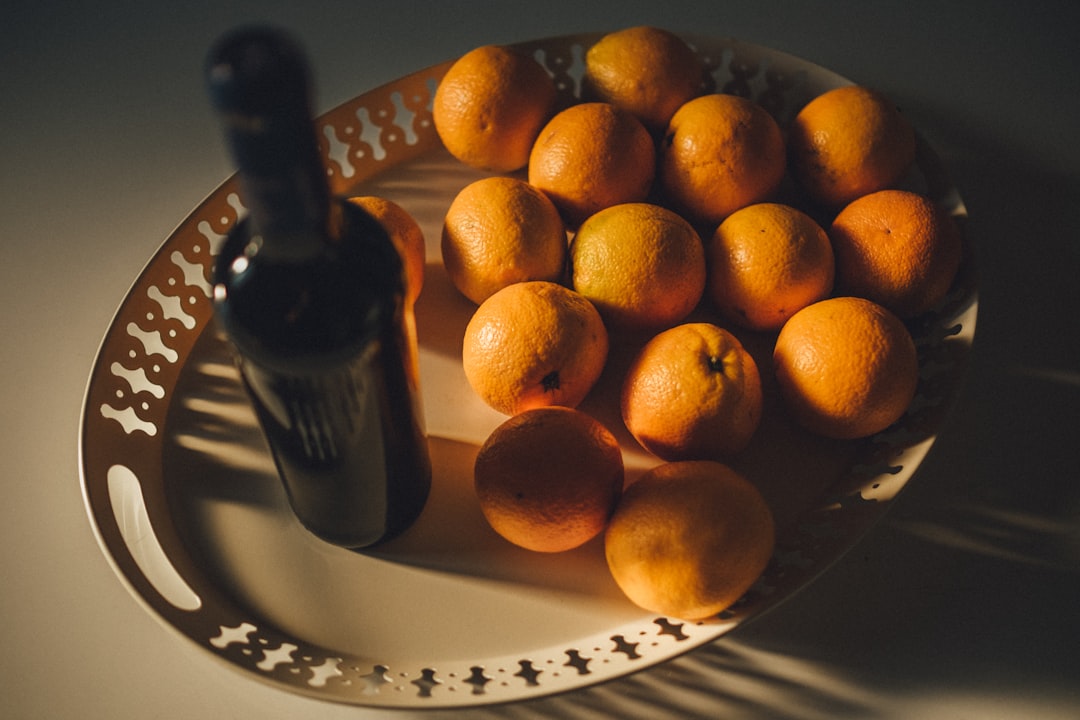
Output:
x=645 y=70
x=641 y=265
x=896 y=248
x=848 y=142
x=692 y=393
x=490 y=105
x=501 y=230
x=688 y=539
x=591 y=156
x=720 y=153
x=766 y=262
x=846 y=367
x=406 y=235
x=548 y=479
x=534 y=344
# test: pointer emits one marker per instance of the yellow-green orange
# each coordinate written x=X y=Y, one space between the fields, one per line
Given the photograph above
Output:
x=641 y=265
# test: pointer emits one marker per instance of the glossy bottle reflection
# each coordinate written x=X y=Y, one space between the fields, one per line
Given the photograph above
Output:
x=310 y=291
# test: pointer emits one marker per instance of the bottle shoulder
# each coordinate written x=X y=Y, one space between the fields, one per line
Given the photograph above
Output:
x=327 y=305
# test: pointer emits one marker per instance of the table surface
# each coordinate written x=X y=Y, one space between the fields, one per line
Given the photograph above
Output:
x=961 y=603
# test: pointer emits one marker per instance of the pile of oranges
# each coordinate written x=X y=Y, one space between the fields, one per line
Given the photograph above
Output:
x=658 y=213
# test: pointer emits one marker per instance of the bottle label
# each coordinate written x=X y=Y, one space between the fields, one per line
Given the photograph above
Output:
x=320 y=415
x=348 y=443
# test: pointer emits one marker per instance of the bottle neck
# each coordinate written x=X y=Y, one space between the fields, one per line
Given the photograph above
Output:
x=259 y=84
x=288 y=208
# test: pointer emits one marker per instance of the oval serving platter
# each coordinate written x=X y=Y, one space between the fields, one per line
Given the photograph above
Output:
x=183 y=496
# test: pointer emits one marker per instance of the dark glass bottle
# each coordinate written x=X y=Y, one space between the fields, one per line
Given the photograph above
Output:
x=310 y=291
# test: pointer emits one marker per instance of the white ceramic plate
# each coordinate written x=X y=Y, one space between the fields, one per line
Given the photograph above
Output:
x=184 y=499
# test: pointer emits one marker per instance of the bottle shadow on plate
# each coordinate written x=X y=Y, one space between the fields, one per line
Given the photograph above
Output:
x=222 y=485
